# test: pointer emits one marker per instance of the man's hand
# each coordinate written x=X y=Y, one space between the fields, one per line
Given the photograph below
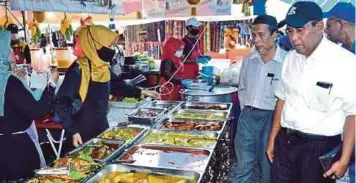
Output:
x=337 y=170
x=270 y=150
x=77 y=140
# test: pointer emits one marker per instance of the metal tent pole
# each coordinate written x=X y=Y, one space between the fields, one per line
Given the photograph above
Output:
x=24 y=24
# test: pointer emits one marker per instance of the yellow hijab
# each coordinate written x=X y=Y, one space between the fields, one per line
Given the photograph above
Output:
x=91 y=39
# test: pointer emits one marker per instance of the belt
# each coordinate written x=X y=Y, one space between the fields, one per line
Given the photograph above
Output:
x=296 y=133
x=15 y=133
x=256 y=109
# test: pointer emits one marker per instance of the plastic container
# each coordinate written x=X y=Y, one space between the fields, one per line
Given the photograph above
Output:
x=64 y=57
x=208 y=70
x=40 y=62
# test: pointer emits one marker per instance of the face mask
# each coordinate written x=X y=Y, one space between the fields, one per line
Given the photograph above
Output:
x=106 y=54
x=14 y=37
x=194 y=32
x=179 y=53
x=78 y=51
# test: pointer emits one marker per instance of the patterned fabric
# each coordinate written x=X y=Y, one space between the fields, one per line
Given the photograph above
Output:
x=4 y=66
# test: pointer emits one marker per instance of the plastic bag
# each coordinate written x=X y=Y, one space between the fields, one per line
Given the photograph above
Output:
x=230 y=76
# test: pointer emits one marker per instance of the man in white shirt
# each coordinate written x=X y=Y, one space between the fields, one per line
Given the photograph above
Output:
x=259 y=75
x=340 y=28
x=316 y=102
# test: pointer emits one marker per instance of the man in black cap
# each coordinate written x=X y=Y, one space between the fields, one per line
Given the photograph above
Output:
x=259 y=75
x=316 y=103
x=20 y=48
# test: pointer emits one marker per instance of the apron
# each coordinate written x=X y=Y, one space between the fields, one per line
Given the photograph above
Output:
x=32 y=130
x=175 y=95
x=192 y=69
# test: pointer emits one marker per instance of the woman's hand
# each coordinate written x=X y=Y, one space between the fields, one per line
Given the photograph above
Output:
x=54 y=75
x=152 y=94
x=77 y=140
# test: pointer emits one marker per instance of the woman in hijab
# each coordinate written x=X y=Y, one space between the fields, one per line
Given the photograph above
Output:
x=18 y=156
x=82 y=100
x=172 y=67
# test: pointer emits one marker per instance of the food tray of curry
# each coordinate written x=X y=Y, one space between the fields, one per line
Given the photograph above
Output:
x=146 y=115
x=129 y=134
x=100 y=150
x=134 y=174
x=204 y=140
x=200 y=114
x=192 y=125
x=167 y=157
x=206 y=106
x=81 y=171
x=168 y=105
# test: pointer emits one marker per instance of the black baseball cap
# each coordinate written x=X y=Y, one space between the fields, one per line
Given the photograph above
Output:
x=302 y=12
x=13 y=28
x=265 y=19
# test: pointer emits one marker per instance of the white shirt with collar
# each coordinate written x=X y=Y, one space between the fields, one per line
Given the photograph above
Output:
x=258 y=80
x=319 y=91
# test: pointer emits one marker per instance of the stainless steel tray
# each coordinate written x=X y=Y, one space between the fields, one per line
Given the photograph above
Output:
x=168 y=105
x=164 y=138
x=201 y=114
x=135 y=119
x=129 y=142
x=155 y=171
x=63 y=163
x=207 y=106
x=127 y=105
x=105 y=160
x=193 y=127
x=179 y=158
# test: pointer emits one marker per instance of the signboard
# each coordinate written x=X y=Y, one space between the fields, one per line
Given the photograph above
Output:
x=70 y=6
x=181 y=8
x=149 y=8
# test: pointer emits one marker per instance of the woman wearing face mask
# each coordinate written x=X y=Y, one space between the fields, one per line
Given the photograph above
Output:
x=20 y=48
x=18 y=156
x=191 y=67
x=118 y=87
x=172 y=67
x=82 y=100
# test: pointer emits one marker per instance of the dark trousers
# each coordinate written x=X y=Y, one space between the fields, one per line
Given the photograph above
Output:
x=296 y=158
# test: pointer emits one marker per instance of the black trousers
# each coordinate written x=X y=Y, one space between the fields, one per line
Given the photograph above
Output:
x=296 y=157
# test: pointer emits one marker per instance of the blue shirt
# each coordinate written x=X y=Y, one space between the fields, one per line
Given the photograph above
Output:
x=258 y=80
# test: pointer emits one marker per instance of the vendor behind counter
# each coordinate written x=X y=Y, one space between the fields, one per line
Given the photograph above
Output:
x=20 y=48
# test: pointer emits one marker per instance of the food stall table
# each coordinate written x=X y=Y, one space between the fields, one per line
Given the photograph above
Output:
x=47 y=126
